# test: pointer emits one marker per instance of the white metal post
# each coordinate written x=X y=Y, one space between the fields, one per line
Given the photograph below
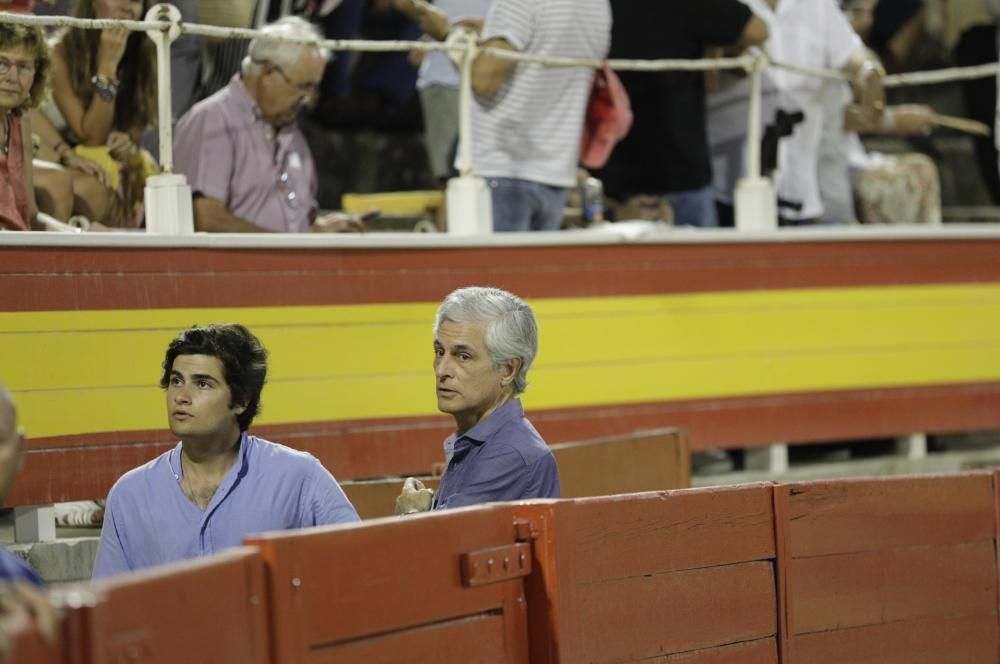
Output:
x=756 y=205
x=167 y=196
x=470 y=209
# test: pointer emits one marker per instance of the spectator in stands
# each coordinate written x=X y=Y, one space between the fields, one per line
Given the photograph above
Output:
x=666 y=152
x=104 y=89
x=485 y=340
x=527 y=118
x=810 y=33
x=246 y=159
x=24 y=68
x=219 y=484
x=438 y=81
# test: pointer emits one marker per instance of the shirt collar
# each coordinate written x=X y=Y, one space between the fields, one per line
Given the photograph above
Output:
x=488 y=426
x=239 y=468
x=243 y=98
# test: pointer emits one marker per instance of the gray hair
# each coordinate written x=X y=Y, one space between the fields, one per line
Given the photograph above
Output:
x=511 y=329
x=282 y=53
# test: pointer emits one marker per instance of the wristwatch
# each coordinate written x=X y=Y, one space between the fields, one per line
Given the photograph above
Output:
x=105 y=88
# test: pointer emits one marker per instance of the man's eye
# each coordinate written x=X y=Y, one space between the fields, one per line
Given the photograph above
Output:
x=204 y=383
x=465 y=357
x=438 y=352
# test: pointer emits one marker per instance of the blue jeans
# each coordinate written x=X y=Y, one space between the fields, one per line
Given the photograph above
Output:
x=694 y=208
x=522 y=205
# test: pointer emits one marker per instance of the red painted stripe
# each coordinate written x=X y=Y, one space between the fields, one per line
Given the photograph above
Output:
x=58 y=279
x=85 y=466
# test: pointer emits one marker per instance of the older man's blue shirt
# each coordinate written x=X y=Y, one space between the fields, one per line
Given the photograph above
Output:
x=501 y=458
x=149 y=520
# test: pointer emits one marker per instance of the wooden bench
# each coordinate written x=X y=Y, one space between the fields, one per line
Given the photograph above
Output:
x=888 y=570
x=651 y=460
x=689 y=573
x=448 y=586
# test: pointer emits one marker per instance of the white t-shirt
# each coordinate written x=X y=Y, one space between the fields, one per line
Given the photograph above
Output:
x=530 y=128
x=810 y=33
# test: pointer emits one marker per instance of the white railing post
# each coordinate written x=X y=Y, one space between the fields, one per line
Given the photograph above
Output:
x=167 y=195
x=756 y=205
x=468 y=201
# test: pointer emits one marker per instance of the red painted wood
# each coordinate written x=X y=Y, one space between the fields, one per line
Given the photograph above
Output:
x=850 y=516
x=85 y=466
x=479 y=640
x=964 y=639
x=208 y=610
x=381 y=579
x=635 y=618
x=763 y=651
x=626 y=577
x=62 y=278
x=850 y=590
x=651 y=533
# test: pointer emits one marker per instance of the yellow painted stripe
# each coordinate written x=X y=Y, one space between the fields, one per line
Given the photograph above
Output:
x=77 y=372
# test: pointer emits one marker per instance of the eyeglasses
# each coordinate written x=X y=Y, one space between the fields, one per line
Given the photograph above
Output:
x=308 y=88
x=24 y=69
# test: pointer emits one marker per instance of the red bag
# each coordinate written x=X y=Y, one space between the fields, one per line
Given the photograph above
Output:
x=608 y=118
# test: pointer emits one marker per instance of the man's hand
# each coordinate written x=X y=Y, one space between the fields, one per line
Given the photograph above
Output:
x=415 y=497
x=338 y=222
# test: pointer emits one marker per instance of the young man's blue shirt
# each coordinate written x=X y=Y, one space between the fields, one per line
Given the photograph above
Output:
x=150 y=521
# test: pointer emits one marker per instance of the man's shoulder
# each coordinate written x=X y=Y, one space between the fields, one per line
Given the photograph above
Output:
x=142 y=475
x=280 y=458
x=210 y=109
x=519 y=438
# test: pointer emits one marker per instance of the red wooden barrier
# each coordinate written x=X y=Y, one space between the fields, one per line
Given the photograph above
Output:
x=890 y=570
x=687 y=575
x=431 y=587
x=208 y=610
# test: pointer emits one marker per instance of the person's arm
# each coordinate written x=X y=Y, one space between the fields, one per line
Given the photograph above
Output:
x=22 y=604
x=488 y=71
x=28 y=174
x=93 y=122
x=111 y=558
x=498 y=474
x=431 y=20
x=211 y=216
x=327 y=502
x=754 y=33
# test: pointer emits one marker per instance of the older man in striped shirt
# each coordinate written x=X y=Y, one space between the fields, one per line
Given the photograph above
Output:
x=527 y=118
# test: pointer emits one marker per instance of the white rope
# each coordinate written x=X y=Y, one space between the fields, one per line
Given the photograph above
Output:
x=744 y=62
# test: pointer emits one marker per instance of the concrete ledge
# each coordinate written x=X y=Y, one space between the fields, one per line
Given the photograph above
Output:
x=62 y=561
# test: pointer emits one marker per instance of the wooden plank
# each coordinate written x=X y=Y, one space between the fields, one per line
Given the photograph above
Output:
x=867 y=514
x=962 y=639
x=761 y=651
x=217 y=604
x=477 y=639
x=342 y=583
x=674 y=530
x=653 y=460
x=872 y=587
x=647 y=616
x=28 y=647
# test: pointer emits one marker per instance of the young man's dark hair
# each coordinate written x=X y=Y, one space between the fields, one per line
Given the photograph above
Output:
x=243 y=357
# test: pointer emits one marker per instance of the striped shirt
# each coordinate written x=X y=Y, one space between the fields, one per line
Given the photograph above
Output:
x=530 y=128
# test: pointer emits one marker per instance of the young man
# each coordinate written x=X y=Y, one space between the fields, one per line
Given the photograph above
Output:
x=219 y=484
x=485 y=340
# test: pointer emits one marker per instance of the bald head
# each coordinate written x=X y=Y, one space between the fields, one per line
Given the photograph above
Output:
x=11 y=442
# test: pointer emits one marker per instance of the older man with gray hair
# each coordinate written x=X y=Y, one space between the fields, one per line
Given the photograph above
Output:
x=247 y=161
x=485 y=340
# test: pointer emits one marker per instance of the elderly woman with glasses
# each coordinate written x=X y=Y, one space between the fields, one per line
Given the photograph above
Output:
x=24 y=68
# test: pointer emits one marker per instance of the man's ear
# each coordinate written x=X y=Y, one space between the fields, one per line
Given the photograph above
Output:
x=510 y=369
x=239 y=409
